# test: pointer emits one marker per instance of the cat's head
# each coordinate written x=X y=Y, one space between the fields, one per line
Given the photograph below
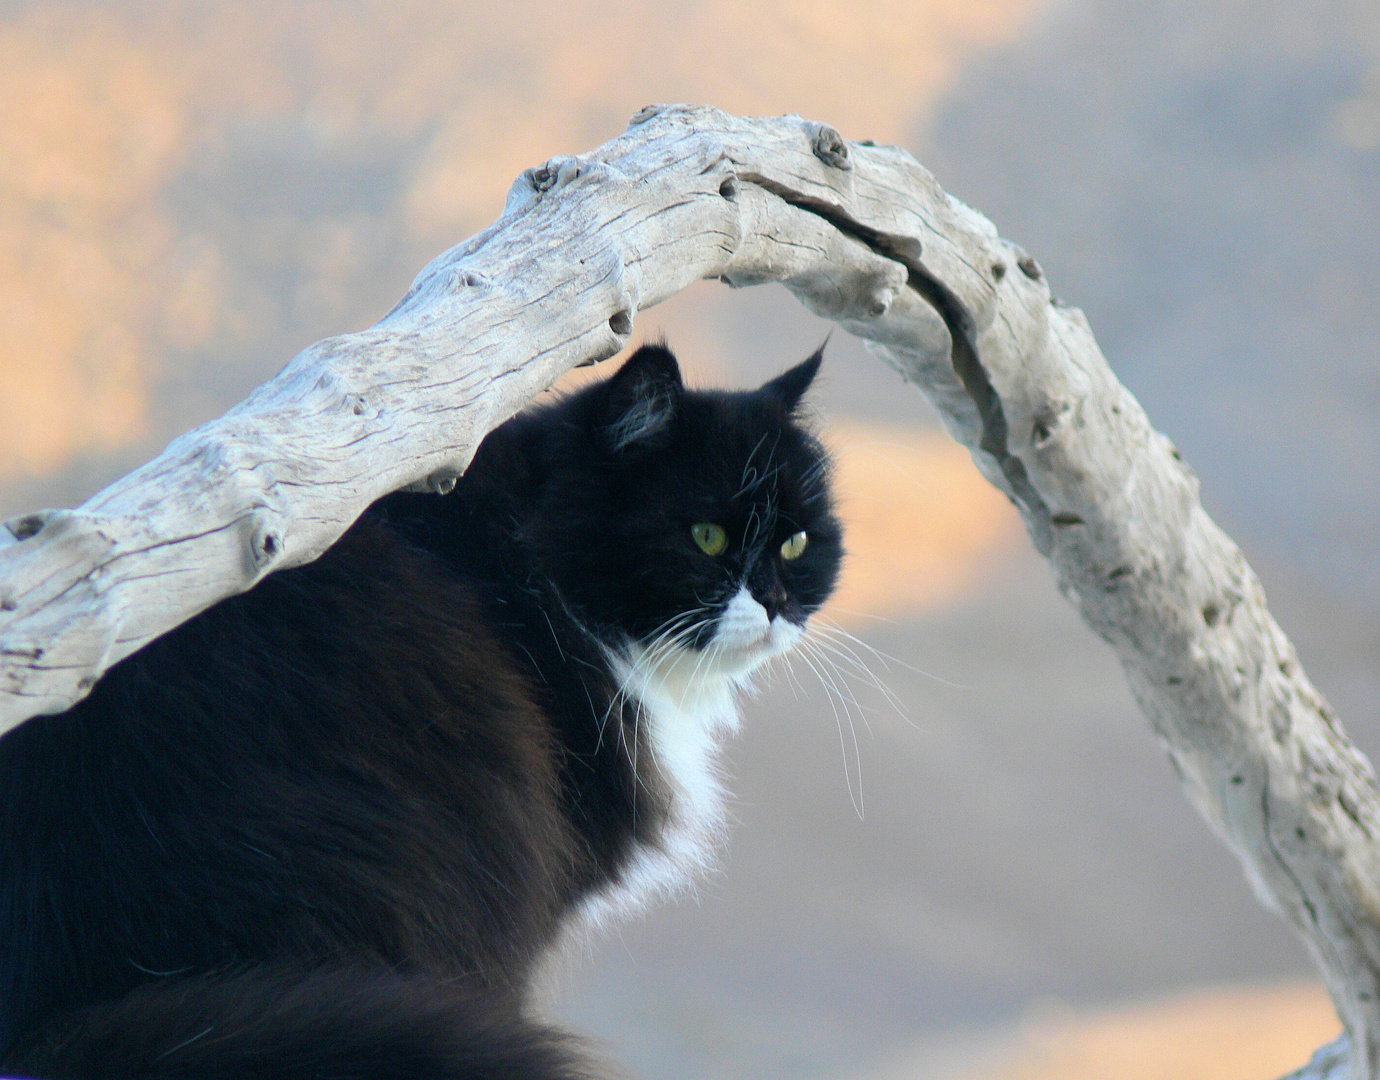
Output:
x=694 y=519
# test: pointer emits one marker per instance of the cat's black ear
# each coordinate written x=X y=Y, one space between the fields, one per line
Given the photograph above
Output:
x=640 y=400
x=790 y=387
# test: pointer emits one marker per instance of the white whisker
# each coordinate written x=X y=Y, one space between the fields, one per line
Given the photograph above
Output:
x=848 y=660
x=838 y=681
x=855 y=798
x=887 y=659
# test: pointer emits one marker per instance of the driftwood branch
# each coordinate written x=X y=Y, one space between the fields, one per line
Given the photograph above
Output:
x=863 y=235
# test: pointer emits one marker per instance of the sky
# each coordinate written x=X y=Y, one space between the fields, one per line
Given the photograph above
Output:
x=192 y=187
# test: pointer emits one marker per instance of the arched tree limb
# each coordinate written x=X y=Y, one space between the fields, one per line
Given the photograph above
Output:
x=862 y=235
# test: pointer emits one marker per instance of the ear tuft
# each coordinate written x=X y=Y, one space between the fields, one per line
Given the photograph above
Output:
x=789 y=387
x=640 y=400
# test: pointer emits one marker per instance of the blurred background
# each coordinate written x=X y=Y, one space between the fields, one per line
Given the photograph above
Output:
x=986 y=869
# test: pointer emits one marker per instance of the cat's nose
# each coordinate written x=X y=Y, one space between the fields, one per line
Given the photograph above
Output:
x=772 y=597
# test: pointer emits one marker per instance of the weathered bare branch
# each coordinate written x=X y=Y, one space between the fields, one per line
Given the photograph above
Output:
x=862 y=235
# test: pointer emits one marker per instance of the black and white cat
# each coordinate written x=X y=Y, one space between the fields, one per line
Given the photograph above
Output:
x=327 y=828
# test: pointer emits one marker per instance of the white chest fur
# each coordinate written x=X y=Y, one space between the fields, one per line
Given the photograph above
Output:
x=687 y=702
x=683 y=720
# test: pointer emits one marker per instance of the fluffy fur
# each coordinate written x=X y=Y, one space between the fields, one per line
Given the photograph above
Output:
x=326 y=829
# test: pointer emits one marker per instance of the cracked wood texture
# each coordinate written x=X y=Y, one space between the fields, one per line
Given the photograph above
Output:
x=860 y=234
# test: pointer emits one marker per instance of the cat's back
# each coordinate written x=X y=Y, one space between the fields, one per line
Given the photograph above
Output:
x=310 y=770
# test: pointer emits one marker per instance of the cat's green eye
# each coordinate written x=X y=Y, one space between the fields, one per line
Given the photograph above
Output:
x=794 y=545
x=711 y=538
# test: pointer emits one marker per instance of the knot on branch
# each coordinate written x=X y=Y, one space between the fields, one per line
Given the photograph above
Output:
x=829 y=146
x=644 y=114
x=556 y=172
x=442 y=482
x=461 y=278
x=27 y=525
x=265 y=544
x=1049 y=422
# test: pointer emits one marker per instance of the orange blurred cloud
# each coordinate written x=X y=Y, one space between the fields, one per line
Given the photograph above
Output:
x=921 y=521
x=107 y=111
x=1229 y=1034
x=570 y=76
x=88 y=131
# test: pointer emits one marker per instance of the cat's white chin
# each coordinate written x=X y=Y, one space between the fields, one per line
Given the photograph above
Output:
x=746 y=636
x=735 y=659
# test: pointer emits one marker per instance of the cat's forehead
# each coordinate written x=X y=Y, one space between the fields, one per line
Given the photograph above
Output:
x=753 y=447
x=740 y=425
